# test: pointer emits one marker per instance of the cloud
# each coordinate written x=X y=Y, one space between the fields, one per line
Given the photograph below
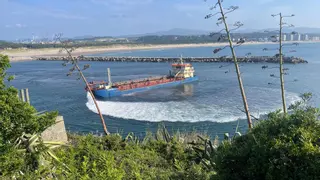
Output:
x=184 y=7
x=283 y=9
x=50 y=13
x=119 y=16
x=264 y=2
x=20 y=25
x=22 y=8
x=62 y=15
x=121 y=4
x=189 y=15
x=16 y=12
x=15 y=26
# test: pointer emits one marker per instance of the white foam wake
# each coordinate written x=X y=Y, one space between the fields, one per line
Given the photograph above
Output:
x=183 y=111
x=160 y=111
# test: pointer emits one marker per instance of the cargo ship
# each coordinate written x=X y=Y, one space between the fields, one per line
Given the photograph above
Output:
x=181 y=73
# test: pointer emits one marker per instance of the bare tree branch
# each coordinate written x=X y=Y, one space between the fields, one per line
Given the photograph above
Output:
x=255 y=118
x=211 y=15
x=215 y=33
x=75 y=66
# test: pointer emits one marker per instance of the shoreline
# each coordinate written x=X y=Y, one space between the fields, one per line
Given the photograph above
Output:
x=18 y=55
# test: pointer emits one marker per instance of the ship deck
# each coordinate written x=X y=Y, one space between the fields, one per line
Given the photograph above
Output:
x=133 y=84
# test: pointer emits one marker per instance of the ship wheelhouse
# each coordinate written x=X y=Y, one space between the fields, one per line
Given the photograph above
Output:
x=182 y=70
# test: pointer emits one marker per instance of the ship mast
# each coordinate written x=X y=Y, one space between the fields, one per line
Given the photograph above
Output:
x=109 y=77
x=181 y=60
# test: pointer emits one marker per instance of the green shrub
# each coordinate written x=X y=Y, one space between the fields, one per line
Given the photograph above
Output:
x=17 y=118
x=111 y=157
x=277 y=148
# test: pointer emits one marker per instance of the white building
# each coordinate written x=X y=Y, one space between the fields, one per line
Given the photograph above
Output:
x=284 y=37
x=306 y=37
x=291 y=37
x=299 y=37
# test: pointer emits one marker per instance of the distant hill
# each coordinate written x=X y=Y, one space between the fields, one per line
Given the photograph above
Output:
x=175 y=31
x=84 y=37
x=302 y=30
x=182 y=32
x=89 y=37
x=307 y=30
x=189 y=32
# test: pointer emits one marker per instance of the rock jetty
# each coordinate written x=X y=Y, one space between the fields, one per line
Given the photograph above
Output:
x=252 y=59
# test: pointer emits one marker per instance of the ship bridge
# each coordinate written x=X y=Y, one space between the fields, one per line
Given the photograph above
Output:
x=182 y=70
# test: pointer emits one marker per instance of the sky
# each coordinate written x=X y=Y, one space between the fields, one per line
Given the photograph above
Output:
x=43 y=18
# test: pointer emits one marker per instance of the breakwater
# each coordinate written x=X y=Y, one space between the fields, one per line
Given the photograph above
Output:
x=252 y=59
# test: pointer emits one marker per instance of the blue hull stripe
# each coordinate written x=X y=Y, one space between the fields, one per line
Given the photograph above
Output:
x=107 y=93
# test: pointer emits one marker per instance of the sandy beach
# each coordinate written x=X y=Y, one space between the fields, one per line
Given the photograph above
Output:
x=30 y=54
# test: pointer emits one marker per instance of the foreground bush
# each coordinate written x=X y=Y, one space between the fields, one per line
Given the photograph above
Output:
x=109 y=157
x=277 y=148
x=112 y=157
x=17 y=118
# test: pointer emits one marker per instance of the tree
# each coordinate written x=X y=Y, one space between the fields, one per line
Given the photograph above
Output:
x=280 y=56
x=222 y=20
x=75 y=67
x=280 y=147
x=17 y=117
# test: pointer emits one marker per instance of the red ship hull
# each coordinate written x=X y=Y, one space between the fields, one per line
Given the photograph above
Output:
x=128 y=85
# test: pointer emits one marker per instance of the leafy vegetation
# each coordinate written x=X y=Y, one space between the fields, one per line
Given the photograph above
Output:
x=277 y=148
x=17 y=118
x=114 y=157
x=111 y=157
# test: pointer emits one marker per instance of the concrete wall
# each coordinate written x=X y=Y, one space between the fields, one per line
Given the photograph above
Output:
x=57 y=132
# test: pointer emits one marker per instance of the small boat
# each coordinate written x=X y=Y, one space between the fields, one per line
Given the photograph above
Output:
x=181 y=73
